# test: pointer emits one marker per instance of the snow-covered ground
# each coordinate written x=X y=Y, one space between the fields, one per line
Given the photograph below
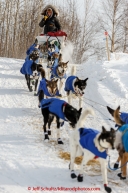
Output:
x=27 y=163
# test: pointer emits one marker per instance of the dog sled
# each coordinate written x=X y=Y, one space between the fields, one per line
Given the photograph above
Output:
x=52 y=38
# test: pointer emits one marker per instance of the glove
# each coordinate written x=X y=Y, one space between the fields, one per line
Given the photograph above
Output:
x=45 y=17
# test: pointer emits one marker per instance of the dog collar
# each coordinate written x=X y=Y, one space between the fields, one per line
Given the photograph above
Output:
x=64 y=104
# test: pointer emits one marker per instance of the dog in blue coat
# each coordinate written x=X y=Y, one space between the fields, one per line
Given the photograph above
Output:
x=47 y=88
x=31 y=70
x=62 y=111
x=75 y=87
x=92 y=144
x=121 y=119
x=59 y=72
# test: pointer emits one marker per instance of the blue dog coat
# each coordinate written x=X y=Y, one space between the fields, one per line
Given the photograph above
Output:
x=55 y=63
x=31 y=49
x=87 y=141
x=55 y=106
x=69 y=84
x=55 y=75
x=26 y=68
x=124 y=117
x=43 y=87
x=124 y=130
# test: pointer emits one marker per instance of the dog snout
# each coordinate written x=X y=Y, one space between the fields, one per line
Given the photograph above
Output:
x=72 y=125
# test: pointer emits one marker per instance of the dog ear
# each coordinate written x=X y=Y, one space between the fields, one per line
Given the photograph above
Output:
x=47 y=81
x=56 y=80
x=80 y=110
x=36 y=41
x=112 y=130
x=111 y=111
x=117 y=117
x=77 y=79
x=39 y=66
x=85 y=79
x=67 y=62
x=103 y=129
x=118 y=108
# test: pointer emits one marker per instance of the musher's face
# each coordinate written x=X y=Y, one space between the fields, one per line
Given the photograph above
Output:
x=49 y=12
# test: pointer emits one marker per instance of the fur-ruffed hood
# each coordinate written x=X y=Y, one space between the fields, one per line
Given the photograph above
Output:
x=55 y=10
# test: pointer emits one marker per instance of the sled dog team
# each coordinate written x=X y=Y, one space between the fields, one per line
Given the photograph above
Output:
x=88 y=142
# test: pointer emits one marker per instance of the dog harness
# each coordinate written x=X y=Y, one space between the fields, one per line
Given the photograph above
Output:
x=55 y=106
x=69 y=84
x=55 y=75
x=26 y=68
x=43 y=87
x=124 y=130
x=87 y=136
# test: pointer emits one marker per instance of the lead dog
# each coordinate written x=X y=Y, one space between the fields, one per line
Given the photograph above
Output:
x=93 y=144
x=121 y=120
x=75 y=87
x=62 y=111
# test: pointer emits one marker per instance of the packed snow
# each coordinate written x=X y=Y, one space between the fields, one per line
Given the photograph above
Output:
x=27 y=163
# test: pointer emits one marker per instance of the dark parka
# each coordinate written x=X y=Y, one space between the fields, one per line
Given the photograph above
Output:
x=51 y=24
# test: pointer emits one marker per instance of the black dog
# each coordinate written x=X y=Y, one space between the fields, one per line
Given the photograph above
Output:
x=60 y=109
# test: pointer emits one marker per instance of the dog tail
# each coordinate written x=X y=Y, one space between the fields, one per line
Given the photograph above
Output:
x=42 y=71
x=83 y=116
x=73 y=70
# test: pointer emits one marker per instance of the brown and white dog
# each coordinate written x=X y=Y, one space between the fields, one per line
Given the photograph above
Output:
x=121 y=119
x=52 y=61
x=59 y=72
x=47 y=88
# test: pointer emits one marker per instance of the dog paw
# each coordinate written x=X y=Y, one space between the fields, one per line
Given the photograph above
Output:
x=49 y=132
x=60 y=95
x=61 y=124
x=60 y=141
x=30 y=89
x=116 y=165
x=73 y=175
x=46 y=137
x=108 y=189
x=121 y=177
x=80 y=178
